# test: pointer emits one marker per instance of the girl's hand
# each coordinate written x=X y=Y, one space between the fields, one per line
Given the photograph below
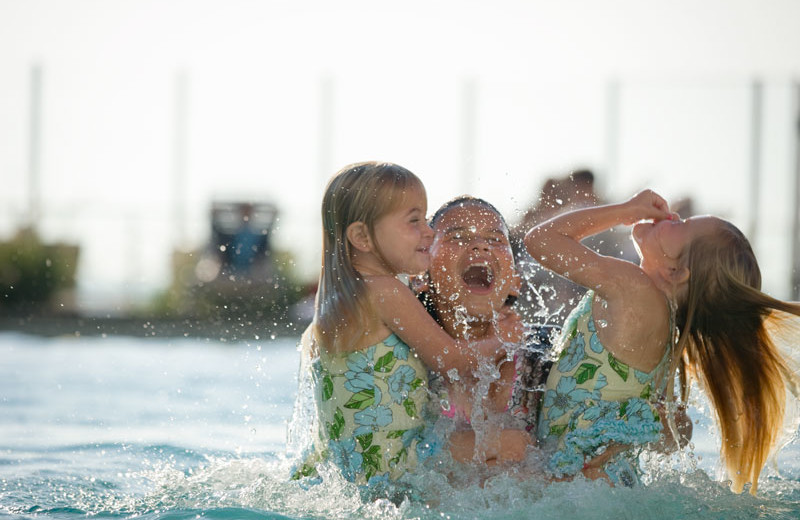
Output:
x=683 y=425
x=593 y=468
x=647 y=205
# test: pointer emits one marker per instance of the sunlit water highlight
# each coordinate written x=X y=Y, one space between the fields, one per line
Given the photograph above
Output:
x=180 y=429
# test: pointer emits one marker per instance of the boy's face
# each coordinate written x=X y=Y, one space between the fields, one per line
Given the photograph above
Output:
x=471 y=260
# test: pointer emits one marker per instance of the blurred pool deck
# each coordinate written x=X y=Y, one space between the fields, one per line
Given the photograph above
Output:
x=228 y=329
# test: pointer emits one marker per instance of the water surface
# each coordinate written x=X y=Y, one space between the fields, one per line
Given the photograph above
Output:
x=183 y=429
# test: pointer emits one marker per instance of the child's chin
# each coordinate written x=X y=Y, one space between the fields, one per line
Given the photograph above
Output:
x=480 y=305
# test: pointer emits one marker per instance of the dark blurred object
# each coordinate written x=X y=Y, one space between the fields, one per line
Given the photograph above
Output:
x=558 y=195
x=683 y=207
x=37 y=278
x=238 y=275
x=240 y=240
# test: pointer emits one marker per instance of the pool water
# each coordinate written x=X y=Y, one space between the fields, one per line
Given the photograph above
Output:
x=178 y=429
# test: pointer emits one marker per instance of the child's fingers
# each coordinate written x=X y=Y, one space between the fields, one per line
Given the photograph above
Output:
x=651 y=205
x=656 y=201
x=661 y=204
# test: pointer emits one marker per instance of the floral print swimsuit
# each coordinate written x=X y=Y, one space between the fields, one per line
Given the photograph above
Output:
x=370 y=407
x=592 y=399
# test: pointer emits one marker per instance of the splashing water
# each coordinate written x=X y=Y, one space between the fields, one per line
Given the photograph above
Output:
x=97 y=427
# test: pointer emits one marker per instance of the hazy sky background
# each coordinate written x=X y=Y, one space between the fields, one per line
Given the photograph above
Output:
x=482 y=97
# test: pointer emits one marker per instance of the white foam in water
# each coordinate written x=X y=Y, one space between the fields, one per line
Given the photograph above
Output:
x=261 y=485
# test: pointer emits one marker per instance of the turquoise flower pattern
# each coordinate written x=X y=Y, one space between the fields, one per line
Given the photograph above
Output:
x=400 y=383
x=369 y=405
x=372 y=419
x=594 y=343
x=564 y=398
x=572 y=355
x=361 y=376
x=399 y=349
x=593 y=399
x=346 y=457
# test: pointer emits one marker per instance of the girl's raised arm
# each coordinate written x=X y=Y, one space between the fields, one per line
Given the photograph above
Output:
x=399 y=309
x=556 y=243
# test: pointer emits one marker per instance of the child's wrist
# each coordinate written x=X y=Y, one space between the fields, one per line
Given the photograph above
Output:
x=627 y=212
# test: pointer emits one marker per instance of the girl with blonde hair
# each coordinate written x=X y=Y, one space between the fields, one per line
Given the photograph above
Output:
x=371 y=342
x=693 y=305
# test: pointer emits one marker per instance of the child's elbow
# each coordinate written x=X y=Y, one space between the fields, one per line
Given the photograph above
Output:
x=535 y=242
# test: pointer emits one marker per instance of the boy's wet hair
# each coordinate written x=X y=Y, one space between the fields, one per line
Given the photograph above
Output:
x=426 y=297
x=465 y=200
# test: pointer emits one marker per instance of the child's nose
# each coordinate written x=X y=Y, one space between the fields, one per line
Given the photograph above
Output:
x=478 y=242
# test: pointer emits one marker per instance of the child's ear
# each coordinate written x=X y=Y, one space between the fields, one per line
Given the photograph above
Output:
x=358 y=236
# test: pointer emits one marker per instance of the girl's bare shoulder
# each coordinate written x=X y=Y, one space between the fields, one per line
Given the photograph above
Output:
x=623 y=280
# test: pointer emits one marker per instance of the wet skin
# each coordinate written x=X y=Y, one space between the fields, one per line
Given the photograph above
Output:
x=472 y=274
x=472 y=267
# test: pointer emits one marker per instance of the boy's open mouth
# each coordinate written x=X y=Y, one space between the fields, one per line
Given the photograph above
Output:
x=478 y=276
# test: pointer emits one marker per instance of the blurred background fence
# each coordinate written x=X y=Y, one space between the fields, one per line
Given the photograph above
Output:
x=119 y=145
